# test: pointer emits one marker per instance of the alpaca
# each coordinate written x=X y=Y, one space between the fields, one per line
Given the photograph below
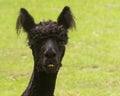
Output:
x=47 y=41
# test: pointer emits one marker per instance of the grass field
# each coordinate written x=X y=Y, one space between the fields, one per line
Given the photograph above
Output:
x=91 y=66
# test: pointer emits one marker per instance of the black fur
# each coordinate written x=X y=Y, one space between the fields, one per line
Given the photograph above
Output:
x=47 y=41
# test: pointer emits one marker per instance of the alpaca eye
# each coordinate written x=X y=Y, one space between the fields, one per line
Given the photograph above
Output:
x=62 y=43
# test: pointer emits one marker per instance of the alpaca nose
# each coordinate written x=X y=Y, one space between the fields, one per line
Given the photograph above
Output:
x=50 y=53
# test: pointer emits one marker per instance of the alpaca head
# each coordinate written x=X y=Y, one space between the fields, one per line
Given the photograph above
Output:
x=47 y=39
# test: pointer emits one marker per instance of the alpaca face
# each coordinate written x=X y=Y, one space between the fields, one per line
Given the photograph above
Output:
x=51 y=53
x=47 y=39
x=48 y=42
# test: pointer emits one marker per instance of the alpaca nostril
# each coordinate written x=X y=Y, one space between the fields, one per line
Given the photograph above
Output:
x=50 y=54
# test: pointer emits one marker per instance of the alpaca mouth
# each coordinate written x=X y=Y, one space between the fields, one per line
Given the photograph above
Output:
x=51 y=66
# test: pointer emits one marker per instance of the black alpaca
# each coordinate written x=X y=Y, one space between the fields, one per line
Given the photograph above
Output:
x=47 y=41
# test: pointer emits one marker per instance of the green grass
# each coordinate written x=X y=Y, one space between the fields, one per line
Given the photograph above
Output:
x=91 y=66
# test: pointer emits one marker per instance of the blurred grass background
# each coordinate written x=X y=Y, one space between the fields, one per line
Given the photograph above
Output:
x=91 y=66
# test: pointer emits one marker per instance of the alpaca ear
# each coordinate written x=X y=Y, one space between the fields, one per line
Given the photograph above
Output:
x=66 y=18
x=24 y=20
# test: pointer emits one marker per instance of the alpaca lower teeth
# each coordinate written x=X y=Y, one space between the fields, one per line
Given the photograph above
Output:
x=51 y=65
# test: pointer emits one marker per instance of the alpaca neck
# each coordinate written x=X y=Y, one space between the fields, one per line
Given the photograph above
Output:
x=41 y=84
